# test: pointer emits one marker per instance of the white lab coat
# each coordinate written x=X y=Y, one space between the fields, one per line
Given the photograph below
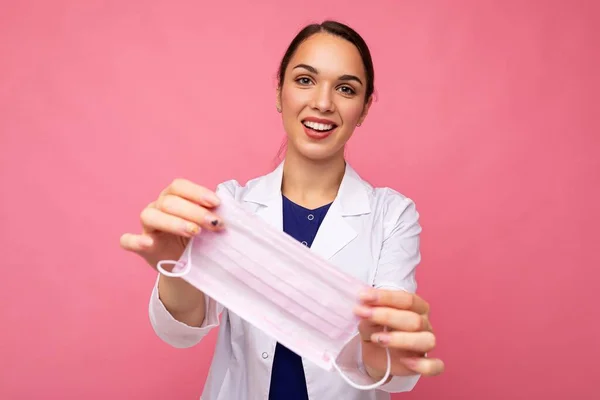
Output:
x=371 y=233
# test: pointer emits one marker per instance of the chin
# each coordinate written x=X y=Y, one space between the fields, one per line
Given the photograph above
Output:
x=317 y=151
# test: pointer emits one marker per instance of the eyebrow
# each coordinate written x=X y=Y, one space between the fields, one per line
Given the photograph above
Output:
x=344 y=77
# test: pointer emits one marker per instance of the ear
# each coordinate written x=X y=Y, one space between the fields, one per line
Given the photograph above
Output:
x=278 y=100
x=365 y=110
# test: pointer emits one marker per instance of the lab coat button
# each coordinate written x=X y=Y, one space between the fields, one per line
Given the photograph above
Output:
x=265 y=355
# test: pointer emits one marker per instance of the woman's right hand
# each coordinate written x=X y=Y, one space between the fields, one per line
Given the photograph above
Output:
x=181 y=210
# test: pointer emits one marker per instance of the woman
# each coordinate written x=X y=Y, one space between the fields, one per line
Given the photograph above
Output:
x=325 y=90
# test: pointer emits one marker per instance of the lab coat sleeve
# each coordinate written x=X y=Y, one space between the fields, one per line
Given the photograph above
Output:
x=398 y=260
x=174 y=332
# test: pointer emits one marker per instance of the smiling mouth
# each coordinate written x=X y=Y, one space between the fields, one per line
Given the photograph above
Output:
x=319 y=127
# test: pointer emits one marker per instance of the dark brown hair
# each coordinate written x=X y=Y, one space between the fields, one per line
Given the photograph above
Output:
x=337 y=29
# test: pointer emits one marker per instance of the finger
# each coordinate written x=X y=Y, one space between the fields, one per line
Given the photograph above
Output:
x=419 y=342
x=423 y=365
x=155 y=220
x=401 y=320
x=427 y=323
x=366 y=329
x=396 y=299
x=136 y=243
x=193 y=192
x=189 y=211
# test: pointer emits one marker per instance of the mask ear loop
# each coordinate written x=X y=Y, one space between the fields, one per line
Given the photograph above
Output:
x=183 y=267
x=374 y=385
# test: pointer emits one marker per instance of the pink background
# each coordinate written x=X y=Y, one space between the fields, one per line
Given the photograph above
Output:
x=485 y=117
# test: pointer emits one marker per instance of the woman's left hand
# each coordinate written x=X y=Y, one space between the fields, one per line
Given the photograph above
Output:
x=409 y=334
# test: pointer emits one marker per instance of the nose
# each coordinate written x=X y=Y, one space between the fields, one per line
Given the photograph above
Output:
x=323 y=100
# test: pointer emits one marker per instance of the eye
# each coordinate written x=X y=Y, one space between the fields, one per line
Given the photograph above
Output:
x=347 y=90
x=303 y=81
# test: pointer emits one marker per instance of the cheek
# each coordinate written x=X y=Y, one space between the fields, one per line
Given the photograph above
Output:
x=291 y=100
x=351 y=112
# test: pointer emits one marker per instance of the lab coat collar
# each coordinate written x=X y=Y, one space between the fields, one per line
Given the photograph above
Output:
x=352 y=198
x=335 y=232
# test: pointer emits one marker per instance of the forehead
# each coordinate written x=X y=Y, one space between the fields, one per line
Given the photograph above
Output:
x=330 y=55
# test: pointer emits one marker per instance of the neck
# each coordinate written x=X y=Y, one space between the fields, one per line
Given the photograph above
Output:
x=312 y=183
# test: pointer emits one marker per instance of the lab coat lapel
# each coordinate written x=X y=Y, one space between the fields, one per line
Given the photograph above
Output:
x=335 y=232
x=266 y=193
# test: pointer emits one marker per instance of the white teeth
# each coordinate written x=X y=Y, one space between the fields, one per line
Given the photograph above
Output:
x=317 y=126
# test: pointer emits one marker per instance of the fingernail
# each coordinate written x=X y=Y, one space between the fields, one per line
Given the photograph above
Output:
x=382 y=338
x=192 y=229
x=146 y=241
x=214 y=221
x=364 y=312
x=368 y=295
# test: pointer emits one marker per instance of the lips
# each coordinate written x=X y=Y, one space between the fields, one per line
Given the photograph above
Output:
x=318 y=128
x=315 y=120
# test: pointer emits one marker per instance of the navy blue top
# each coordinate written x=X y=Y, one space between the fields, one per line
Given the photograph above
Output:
x=287 y=377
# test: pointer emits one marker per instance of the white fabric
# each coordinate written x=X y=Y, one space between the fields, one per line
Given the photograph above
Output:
x=371 y=233
x=276 y=284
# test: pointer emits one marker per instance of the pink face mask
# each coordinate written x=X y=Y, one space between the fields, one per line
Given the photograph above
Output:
x=276 y=284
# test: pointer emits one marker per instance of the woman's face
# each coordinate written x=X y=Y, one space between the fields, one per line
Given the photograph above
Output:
x=322 y=97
